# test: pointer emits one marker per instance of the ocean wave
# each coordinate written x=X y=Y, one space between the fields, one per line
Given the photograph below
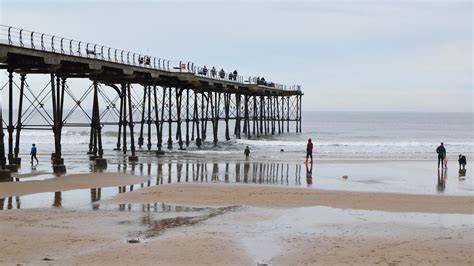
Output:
x=349 y=144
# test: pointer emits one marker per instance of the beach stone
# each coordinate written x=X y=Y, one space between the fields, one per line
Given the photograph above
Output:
x=133 y=241
x=345 y=177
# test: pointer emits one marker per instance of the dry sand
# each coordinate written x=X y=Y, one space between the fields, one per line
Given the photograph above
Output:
x=279 y=197
x=69 y=182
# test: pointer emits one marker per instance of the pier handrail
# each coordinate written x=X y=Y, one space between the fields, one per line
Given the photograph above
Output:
x=15 y=37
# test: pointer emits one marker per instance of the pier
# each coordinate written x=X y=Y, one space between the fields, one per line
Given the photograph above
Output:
x=142 y=92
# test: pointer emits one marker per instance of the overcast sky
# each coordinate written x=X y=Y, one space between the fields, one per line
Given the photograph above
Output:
x=347 y=55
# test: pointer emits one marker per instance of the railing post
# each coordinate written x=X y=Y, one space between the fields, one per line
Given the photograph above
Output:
x=21 y=38
x=10 y=36
x=42 y=41
x=32 y=41
x=52 y=44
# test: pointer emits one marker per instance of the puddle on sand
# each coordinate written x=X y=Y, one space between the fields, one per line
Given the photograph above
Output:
x=157 y=227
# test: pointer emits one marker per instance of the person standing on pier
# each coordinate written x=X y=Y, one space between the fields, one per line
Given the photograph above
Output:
x=309 y=151
x=441 y=151
x=33 y=153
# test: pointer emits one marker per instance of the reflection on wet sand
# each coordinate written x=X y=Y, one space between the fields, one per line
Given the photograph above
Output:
x=171 y=171
x=309 y=175
x=442 y=176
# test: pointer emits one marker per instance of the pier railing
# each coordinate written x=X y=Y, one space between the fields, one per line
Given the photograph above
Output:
x=45 y=42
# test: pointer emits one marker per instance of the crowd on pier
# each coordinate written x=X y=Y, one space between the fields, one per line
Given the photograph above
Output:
x=231 y=76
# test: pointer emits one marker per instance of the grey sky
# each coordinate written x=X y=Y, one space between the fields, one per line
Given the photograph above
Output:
x=347 y=55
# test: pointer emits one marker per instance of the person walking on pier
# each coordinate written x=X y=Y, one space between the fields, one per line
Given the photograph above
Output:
x=222 y=74
x=33 y=153
x=441 y=154
x=235 y=74
x=247 y=152
x=309 y=151
x=213 y=72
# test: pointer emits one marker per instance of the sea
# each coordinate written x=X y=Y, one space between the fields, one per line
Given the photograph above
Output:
x=336 y=136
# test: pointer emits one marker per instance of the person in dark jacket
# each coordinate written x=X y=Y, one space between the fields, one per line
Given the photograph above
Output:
x=247 y=152
x=441 y=151
x=462 y=162
x=33 y=153
x=309 y=151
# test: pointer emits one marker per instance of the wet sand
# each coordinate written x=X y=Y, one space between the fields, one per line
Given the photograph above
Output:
x=246 y=224
x=278 y=197
x=68 y=182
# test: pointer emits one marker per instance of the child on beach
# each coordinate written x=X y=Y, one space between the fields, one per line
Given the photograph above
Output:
x=247 y=152
x=445 y=163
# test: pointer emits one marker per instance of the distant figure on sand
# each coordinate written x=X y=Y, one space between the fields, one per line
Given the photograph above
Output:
x=33 y=153
x=441 y=154
x=247 y=152
x=462 y=162
x=309 y=151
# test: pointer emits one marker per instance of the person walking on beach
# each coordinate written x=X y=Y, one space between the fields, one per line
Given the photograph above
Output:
x=309 y=151
x=33 y=153
x=462 y=162
x=441 y=154
x=247 y=152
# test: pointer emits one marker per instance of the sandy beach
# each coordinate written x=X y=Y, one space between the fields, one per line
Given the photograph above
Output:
x=244 y=224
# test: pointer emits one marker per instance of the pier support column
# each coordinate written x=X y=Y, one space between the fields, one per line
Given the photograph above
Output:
x=10 y=127
x=246 y=119
x=57 y=96
x=254 y=116
x=16 y=160
x=162 y=121
x=158 y=122
x=187 y=118
x=215 y=116
x=226 y=111
x=179 y=136
x=100 y=162
x=148 y=121
x=278 y=114
x=237 y=116
x=196 y=120
x=288 y=114
x=124 y=117
x=5 y=174
x=132 y=157
x=261 y=114
x=170 y=120
x=142 y=121
x=117 y=148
